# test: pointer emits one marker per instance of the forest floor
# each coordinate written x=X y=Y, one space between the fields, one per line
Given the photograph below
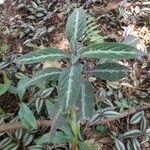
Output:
x=117 y=21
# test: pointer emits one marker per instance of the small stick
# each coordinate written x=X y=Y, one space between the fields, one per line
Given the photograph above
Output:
x=12 y=126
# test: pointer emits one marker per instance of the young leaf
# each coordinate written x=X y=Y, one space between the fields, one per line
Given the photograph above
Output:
x=21 y=87
x=45 y=74
x=136 y=118
x=86 y=101
x=26 y=116
x=119 y=145
x=41 y=55
x=132 y=134
x=6 y=85
x=76 y=22
x=110 y=71
x=110 y=51
x=69 y=86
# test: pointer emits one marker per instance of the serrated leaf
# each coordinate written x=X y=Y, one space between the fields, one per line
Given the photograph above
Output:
x=110 y=71
x=6 y=85
x=119 y=145
x=26 y=116
x=41 y=55
x=44 y=75
x=110 y=51
x=76 y=22
x=132 y=134
x=86 y=101
x=136 y=118
x=136 y=144
x=69 y=86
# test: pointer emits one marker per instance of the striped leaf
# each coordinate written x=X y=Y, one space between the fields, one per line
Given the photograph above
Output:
x=86 y=101
x=69 y=86
x=110 y=51
x=43 y=75
x=119 y=145
x=110 y=71
x=136 y=144
x=136 y=118
x=41 y=55
x=132 y=134
x=76 y=22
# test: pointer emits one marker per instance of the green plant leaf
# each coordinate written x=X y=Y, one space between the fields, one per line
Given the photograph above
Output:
x=136 y=118
x=110 y=71
x=41 y=55
x=132 y=134
x=86 y=101
x=110 y=51
x=69 y=86
x=76 y=22
x=86 y=146
x=6 y=85
x=136 y=144
x=44 y=139
x=26 y=116
x=44 y=75
x=21 y=87
x=119 y=145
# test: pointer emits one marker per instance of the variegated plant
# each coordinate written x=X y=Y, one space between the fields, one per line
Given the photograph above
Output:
x=74 y=88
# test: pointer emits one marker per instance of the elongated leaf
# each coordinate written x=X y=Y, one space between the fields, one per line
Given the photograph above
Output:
x=136 y=144
x=111 y=114
x=26 y=116
x=5 y=86
x=41 y=55
x=143 y=124
x=69 y=86
x=132 y=134
x=86 y=101
x=136 y=118
x=119 y=145
x=43 y=75
x=110 y=71
x=129 y=145
x=110 y=51
x=76 y=24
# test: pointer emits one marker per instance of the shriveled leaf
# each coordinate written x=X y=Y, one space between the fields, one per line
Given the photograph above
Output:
x=119 y=145
x=110 y=71
x=26 y=116
x=76 y=22
x=86 y=101
x=136 y=144
x=6 y=85
x=132 y=134
x=41 y=55
x=44 y=75
x=136 y=118
x=69 y=86
x=110 y=51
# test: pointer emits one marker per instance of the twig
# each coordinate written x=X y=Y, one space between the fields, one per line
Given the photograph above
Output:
x=12 y=126
x=16 y=125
